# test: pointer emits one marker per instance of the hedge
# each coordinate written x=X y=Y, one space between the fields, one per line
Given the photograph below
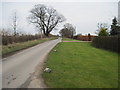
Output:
x=12 y=39
x=107 y=42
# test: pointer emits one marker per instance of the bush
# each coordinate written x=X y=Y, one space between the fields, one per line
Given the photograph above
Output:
x=103 y=32
x=107 y=42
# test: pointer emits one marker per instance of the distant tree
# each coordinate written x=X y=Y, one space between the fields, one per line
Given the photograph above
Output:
x=65 y=33
x=5 y=32
x=103 y=32
x=89 y=37
x=102 y=29
x=114 y=21
x=115 y=30
x=88 y=34
x=46 y=18
x=68 y=31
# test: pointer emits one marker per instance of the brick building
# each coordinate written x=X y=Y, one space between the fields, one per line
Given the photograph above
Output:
x=84 y=37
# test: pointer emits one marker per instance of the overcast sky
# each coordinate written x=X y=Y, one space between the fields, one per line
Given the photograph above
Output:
x=83 y=15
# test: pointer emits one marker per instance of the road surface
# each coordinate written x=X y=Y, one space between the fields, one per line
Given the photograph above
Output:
x=18 y=68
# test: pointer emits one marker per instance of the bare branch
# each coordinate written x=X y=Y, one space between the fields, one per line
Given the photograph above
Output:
x=47 y=18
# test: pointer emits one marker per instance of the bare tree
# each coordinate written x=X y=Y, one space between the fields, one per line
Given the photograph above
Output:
x=68 y=31
x=46 y=18
x=101 y=26
x=71 y=28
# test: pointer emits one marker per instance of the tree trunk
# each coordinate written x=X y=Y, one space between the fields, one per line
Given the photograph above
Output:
x=47 y=34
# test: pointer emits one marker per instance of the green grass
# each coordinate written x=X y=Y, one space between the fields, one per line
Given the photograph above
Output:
x=69 y=39
x=18 y=46
x=79 y=65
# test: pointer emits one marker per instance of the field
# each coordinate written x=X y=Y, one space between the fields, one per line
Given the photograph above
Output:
x=7 y=49
x=79 y=65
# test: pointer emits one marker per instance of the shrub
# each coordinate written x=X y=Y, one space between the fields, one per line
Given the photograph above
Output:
x=103 y=32
x=107 y=42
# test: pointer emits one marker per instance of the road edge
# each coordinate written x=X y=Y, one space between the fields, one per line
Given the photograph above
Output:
x=37 y=80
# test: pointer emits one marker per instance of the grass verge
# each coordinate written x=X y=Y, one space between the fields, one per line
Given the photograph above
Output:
x=79 y=65
x=11 y=48
x=69 y=39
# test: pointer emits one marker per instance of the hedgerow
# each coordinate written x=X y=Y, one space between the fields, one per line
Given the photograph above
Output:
x=107 y=42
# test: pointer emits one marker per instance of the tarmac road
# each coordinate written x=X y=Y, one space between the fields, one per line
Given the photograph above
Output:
x=18 y=68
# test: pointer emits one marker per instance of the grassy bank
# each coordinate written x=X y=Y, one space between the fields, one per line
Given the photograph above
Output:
x=79 y=65
x=19 y=46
